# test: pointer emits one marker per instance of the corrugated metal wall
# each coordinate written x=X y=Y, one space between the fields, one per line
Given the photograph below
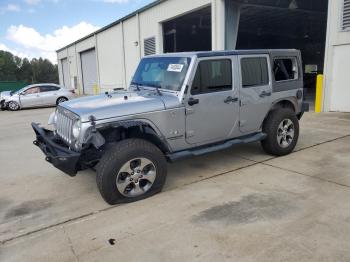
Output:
x=65 y=72
x=119 y=48
x=89 y=71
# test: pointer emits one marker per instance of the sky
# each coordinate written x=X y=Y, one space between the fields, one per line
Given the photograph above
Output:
x=36 y=28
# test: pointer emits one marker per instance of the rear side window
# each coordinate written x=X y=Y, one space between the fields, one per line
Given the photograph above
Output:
x=48 y=88
x=212 y=76
x=254 y=71
x=285 y=69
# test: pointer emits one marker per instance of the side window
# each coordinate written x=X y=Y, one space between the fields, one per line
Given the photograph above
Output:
x=48 y=88
x=254 y=71
x=285 y=69
x=32 y=90
x=212 y=76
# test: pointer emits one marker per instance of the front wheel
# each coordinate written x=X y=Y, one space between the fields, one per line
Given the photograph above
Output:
x=282 y=129
x=131 y=170
x=13 y=106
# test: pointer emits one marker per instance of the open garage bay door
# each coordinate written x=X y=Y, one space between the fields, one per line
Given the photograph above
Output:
x=190 y=32
x=65 y=72
x=89 y=71
x=299 y=24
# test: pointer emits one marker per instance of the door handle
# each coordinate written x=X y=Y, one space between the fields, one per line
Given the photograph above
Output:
x=192 y=101
x=264 y=94
x=230 y=100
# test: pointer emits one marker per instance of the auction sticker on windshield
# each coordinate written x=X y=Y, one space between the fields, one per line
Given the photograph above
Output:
x=175 y=68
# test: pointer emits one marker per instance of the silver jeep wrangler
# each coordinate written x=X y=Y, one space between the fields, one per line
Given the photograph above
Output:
x=178 y=105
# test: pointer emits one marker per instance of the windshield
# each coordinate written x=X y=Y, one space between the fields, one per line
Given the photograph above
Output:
x=21 y=90
x=162 y=72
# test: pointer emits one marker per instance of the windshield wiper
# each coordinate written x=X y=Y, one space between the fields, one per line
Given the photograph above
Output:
x=157 y=87
x=137 y=85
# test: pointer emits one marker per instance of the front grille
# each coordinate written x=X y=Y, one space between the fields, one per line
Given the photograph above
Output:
x=64 y=125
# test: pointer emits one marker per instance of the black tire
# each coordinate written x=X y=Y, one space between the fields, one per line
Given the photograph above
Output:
x=116 y=156
x=61 y=100
x=13 y=106
x=271 y=144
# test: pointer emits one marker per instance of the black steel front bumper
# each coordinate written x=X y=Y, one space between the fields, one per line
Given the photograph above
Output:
x=57 y=154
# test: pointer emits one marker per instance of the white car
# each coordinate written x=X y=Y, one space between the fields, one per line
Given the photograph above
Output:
x=37 y=95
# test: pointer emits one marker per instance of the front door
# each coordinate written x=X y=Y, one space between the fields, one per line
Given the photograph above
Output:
x=255 y=91
x=30 y=97
x=212 y=106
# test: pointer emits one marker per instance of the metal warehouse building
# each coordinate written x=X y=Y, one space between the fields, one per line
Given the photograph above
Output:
x=107 y=59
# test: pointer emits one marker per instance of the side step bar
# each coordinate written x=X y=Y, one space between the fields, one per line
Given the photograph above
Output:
x=216 y=147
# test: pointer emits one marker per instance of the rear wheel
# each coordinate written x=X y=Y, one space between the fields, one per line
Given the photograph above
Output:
x=282 y=129
x=61 y=100
x=131 y=170
x=13 y=106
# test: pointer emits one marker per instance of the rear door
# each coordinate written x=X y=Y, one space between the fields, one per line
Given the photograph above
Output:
x=49 y=94
x=255 y=91
x=212 y=106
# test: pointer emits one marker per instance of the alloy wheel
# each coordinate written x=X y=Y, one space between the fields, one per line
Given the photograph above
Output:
x=13 y=106
x=285 y=133
x=136 y=177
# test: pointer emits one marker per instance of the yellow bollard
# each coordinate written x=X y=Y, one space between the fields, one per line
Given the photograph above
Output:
x=319 y=91
x=95 y=89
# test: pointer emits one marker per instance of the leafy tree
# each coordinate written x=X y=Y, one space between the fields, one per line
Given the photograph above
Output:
x=8 y=66
x=13 y=68
x=25 y=72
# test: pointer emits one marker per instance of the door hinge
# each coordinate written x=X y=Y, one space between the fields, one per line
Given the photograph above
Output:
x=189 y=133
x=242 y=122
x=189 y=111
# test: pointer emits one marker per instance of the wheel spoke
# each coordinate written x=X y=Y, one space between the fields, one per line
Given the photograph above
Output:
x=150 y=176
x=144 y=162
x=126 y=168
x=290 y=133
x=123 y=184
x=137 y=190
x=281 y=141
x=290 y=124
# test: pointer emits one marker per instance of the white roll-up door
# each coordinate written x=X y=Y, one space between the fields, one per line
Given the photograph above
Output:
x=89 y=71
x=65 y=72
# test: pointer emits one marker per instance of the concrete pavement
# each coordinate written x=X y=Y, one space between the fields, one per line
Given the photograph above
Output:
x=238 y=204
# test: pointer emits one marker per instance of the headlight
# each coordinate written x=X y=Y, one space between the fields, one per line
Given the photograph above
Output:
x=76 y=128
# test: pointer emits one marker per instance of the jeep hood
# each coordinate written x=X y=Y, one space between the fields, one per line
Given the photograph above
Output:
x=120 y=104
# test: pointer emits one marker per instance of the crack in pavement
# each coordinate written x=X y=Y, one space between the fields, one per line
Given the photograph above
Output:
x=194 y=182
x=70 y=244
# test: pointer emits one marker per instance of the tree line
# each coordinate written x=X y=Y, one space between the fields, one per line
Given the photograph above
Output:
x=14 y=68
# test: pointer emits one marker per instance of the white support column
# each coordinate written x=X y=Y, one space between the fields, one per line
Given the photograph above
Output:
x=97 y=63
x=233 y=12
x=218 y=24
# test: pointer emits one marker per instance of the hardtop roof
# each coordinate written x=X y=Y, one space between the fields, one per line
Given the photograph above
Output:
x=200 y=54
